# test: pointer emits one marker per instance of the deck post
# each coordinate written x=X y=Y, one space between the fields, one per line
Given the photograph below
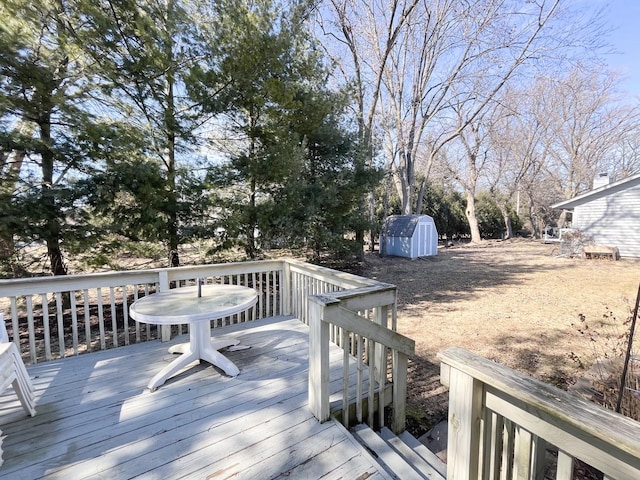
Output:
x=465 y=425
x=286 y=289
x=399 y=366
x=318 y=360
x=381 y=317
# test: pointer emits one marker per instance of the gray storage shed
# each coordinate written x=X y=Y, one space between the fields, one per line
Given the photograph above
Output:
x=409 y=236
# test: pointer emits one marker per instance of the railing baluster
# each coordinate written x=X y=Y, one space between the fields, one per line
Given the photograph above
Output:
x=271 y=289
x=60 y=323
x=103 y=340
x=254 y=310
x=46 y=327
x=360 y=379
x=74 y=321
x=147 y=326
x=114 y=316
x=87 y=320
x=508 y=442
x=564 y=470
x=260 y=295
x=15 y=324
x=492 y=445
x=31 y=328
x=125 y=314
x=538 y=457
x=379 y=315
x=345 y=382
x=136 y=289
x=382 y=380
x=372 y=385
x=282 y=297
x=522 y=454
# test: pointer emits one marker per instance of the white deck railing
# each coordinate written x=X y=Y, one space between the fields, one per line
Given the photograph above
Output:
x=502 y=425
x=62 y=316
x=53 y=317
x=363 y=322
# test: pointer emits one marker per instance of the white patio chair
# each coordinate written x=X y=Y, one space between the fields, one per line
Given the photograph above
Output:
x=14 y=373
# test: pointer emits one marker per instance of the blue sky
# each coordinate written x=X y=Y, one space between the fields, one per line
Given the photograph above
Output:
x=624 y=18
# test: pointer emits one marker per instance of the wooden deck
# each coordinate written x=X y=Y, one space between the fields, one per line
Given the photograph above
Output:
x=96 y=418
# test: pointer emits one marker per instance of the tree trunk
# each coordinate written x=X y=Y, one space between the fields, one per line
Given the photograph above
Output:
x=11 y=161
x=472 y=219
x=52 y=229
x=508 y=227
x=173 y=234
x=250 y=249
x=9 y=175
x=507 y=221
x=372 y=217
x=423 y=186
x=562 y=219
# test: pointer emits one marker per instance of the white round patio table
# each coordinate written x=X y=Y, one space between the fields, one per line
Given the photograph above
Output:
x=183 y=305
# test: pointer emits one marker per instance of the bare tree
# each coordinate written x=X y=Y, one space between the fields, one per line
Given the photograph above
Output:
x=588 y=130
x=551 y=139
x=412 y=62
x=350 y=28
x=471 y=160
x=518 y=145
x=625 y=159
x=588 y=125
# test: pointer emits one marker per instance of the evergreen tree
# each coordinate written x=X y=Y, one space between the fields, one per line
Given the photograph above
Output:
x=290 y=169
x=147 y=51
x=334 y=180
x=45 y=125
x=446 y=207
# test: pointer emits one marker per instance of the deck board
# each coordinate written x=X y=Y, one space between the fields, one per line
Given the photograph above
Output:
x=96 y=419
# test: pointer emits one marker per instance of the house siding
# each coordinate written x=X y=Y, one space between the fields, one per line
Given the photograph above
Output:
x=612 y=220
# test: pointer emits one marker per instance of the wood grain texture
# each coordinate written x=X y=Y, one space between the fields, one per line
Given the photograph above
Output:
x=96 y=419
x=581 y=429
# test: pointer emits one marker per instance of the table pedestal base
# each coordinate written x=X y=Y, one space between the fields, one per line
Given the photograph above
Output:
x=200 y=347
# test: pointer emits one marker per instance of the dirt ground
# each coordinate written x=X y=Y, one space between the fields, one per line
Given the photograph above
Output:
x=513 y=302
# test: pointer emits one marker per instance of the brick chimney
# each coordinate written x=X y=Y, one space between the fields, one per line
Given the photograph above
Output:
x=600 y=180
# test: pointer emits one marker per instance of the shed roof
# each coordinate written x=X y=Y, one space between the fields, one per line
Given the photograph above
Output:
x=401 y=225
x=599 y=192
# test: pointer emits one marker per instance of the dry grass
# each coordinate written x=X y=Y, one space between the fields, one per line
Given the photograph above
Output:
x=512 y=302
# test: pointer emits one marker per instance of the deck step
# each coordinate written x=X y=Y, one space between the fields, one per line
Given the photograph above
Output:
x=431 y=458
x=398 y=458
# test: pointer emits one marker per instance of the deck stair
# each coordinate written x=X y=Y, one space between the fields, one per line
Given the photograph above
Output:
x=403 y=456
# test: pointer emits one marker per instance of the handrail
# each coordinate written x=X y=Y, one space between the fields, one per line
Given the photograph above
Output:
x=340 y=279
x=359 y=325
x=365 y=339
x=503 y=421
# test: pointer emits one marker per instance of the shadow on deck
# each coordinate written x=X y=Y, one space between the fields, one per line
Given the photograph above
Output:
x=96 y=418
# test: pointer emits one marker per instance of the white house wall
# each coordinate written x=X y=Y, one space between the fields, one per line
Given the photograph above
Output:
x=612 y=220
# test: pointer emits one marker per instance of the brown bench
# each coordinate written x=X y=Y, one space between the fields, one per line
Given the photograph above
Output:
x=593 y=251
